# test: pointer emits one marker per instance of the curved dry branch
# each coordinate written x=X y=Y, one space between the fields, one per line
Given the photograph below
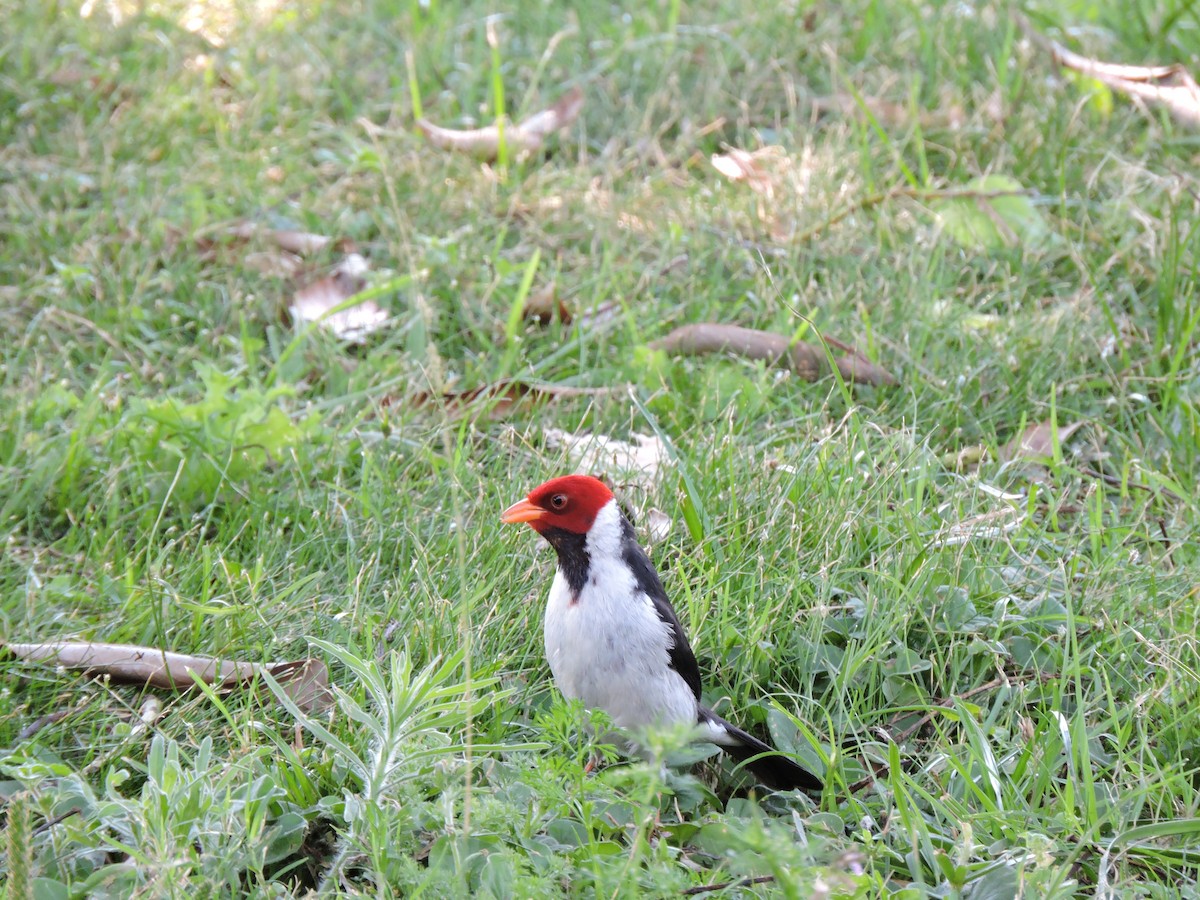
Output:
x=806 y=360
x=525 y=136
x=307 y=680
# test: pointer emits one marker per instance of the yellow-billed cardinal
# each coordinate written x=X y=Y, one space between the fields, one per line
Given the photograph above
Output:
x=612 y=638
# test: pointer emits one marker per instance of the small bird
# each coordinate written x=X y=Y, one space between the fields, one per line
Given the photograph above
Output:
x=612 y=638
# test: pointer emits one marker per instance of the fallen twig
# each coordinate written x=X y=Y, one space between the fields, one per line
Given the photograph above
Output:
x=946 y=704
x=307 y=679
x=928 y=717
x=54 y=820
x=1114 y=481
x=896 y=193
x=523 y=137
x=53 y=718
x=741 y=882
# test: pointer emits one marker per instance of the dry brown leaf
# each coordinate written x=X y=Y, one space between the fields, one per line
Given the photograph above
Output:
x=273 y=263
x=807 y=361
x=524 y=137
x=544 y=304
x=306 y=681
x=1037 y=441
x=302 y=243
x=314 y=302
x=500 y=399
x=72 y=73
x=1172 y=86
x=276 y=252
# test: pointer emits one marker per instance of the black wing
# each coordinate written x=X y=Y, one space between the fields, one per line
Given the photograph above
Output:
x=682 y=659
x=770 y=766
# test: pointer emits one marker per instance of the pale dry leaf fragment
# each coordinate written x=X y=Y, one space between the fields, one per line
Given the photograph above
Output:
x=299 y=242
x=1172 y=86
x=986 y=526
x=638 y=461
x=1037 y=441
x=993 y=107
x=151 y=711
x=598 y=315
x=523 y=138
x=968 y=458
x=537 y=208
x=316 y=302
x=629 y=222
x=740 y=165
x=997 y=493
x=658 y=524
x=168 y=670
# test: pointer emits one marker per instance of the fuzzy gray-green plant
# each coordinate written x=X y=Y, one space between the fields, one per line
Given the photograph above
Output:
x=18 y=844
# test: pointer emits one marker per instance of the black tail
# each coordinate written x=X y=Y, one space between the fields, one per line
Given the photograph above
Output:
x=773 y=769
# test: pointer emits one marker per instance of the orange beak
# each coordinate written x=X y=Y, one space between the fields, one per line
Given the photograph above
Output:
x=522 y=511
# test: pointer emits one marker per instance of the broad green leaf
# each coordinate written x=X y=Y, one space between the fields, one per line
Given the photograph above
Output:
x=906 y=662
x=49 y=889
x=995 y=214
x=1000 y=882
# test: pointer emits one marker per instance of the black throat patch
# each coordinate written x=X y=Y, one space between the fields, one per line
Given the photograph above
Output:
x=573 y=559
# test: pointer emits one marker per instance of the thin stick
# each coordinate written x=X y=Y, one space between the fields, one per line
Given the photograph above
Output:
x=741 y=882
x=54 y=820
x=946 y=704
x=928 y=717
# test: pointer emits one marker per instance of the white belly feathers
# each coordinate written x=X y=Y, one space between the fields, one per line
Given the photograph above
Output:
x=609 y=648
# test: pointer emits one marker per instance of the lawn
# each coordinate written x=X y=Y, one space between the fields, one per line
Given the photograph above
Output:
x=967 y=599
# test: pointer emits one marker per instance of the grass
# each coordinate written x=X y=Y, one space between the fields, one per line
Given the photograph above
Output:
x=994 y=663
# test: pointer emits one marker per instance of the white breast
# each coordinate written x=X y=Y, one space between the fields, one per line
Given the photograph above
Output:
x=608 y=647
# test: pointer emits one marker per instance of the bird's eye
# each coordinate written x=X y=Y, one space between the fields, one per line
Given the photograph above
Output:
x=558 y=501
